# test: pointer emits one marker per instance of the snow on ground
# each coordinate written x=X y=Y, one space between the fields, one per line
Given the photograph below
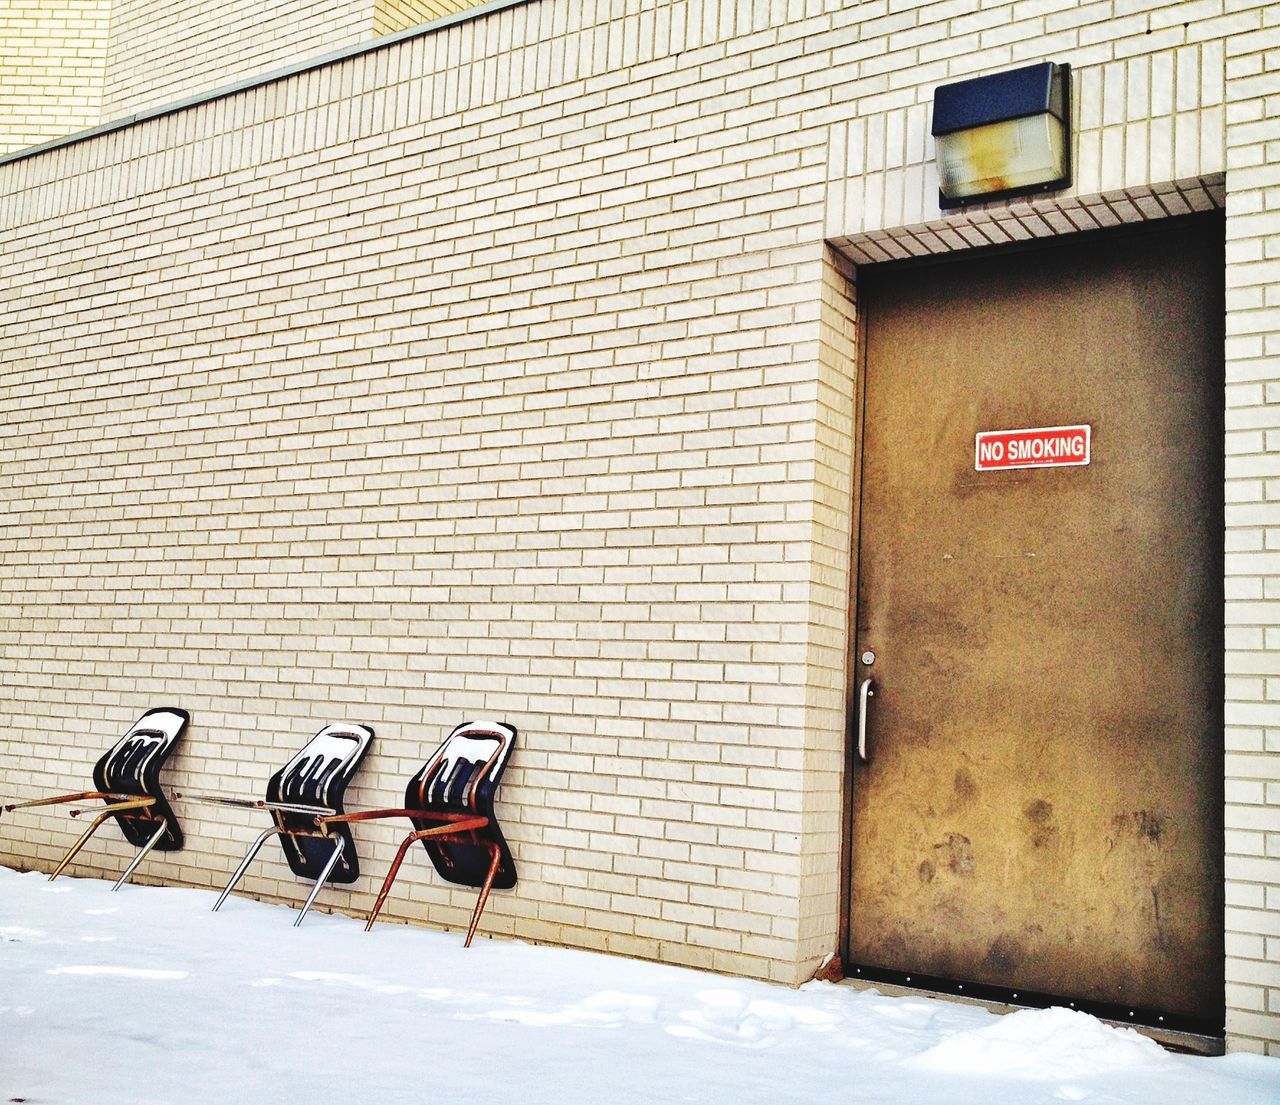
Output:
x=144 y=995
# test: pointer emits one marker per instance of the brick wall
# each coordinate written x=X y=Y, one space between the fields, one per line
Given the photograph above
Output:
x=1253 y=614
x=66 y=65
x=506 y=371
x=1173 y=105
x=52 y=59
x=483 y=394
x=390 y=16
x=163 y=50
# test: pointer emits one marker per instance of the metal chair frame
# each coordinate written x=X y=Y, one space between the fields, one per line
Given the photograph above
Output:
x=450 y=802
x=127 y=777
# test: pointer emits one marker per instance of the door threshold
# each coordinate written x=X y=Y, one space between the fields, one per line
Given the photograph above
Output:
x=1185 y=1043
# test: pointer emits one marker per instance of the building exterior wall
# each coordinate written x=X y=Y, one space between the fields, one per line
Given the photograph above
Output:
x=509 y=370
x=524 y=429
x=52 y=60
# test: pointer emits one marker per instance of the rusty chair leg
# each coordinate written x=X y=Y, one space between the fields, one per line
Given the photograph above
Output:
x=495 y=860
x=391 y=877
x=75 y=848
x=448 y=829
x=82 y=796
x=109 y=811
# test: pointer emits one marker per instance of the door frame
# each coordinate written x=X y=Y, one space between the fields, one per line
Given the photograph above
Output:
x=1192 y=1032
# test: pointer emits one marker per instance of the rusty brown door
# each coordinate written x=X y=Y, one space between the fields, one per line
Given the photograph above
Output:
x=1041 y=807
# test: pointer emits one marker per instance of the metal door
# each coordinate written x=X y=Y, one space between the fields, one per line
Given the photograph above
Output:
x=1041 y=809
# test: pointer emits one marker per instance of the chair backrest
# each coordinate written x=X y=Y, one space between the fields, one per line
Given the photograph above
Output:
x=463 y=773
x=319 y=774
x=132 y=767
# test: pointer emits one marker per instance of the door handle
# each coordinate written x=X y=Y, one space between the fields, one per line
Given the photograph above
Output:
x=867 y=690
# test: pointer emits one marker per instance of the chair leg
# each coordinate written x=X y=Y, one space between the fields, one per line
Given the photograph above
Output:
x=324 y=878
x=244 y=863
x=142 y=854
x=391 y=877
x=84 y=839
x=495 y=862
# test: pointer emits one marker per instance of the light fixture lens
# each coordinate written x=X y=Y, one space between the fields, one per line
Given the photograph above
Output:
x=1001 y=157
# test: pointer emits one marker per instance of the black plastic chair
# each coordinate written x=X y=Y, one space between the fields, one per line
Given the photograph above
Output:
x=307 y=789
x=450 y=803
x=128 y=780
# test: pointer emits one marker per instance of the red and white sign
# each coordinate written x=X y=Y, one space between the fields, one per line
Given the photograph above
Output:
x=1046 y=447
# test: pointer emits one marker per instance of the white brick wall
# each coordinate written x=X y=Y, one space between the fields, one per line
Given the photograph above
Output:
x=390 y=16
x=505 y=370
x=1253 y=386
x=52 y=59
x=452 y=404
x=66 y=65
x=1185 y=95
x=163 y=50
